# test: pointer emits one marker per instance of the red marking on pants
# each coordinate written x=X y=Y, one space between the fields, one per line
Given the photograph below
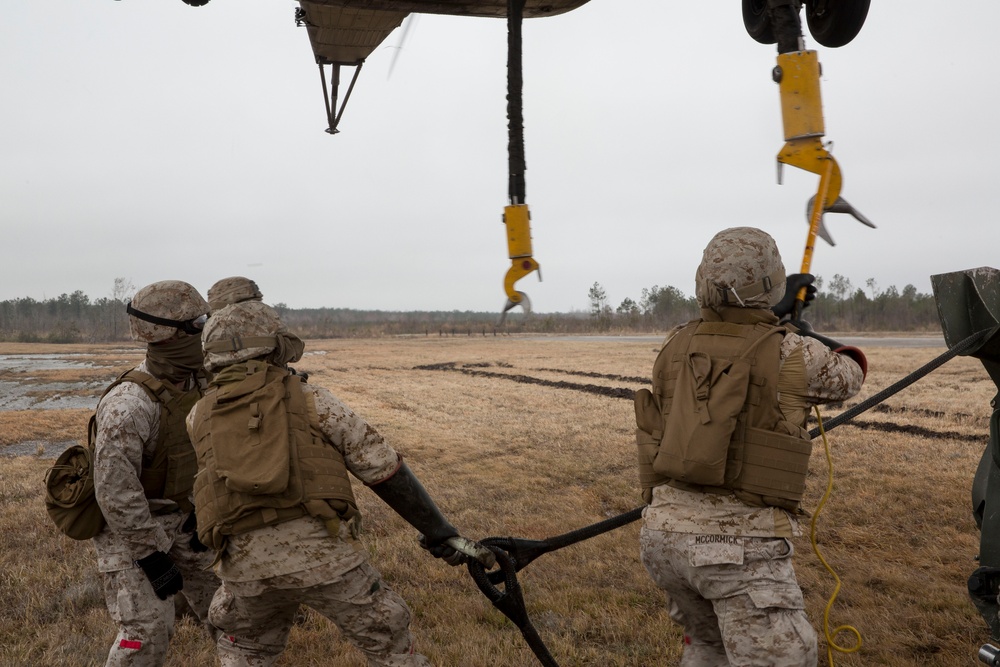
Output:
x=129 y=643
x=687 y=640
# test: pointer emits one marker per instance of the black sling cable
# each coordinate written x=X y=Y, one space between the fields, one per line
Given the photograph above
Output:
x=872 y=401
x=515 y=104
x=510 y=602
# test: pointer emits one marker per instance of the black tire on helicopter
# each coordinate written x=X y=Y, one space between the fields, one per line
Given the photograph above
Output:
x=833 y=23
x=757 y=22
x=196 y=3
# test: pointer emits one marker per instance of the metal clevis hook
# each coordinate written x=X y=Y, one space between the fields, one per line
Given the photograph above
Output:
x=839 y=206
x=522 y=300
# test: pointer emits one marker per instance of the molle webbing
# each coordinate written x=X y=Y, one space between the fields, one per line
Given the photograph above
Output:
x=316 y=483
x=169 y=473
x=767 y=458
x=237 y=343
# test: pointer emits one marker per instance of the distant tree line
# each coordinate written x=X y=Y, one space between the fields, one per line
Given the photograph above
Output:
x=839 y=306
x=68 y=318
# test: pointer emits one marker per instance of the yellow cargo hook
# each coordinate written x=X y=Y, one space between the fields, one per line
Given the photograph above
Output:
x=797 y=75
x=517 y=218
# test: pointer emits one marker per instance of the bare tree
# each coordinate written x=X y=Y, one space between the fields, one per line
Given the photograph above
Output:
x=121 y=294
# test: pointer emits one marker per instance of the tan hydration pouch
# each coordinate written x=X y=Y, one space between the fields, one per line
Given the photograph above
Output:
x=250 y=437
x=708 y=398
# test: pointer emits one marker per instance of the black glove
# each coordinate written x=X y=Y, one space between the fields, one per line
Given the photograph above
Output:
x=162 y=574
x=793 y=283
x=445 y=552
x=404 y=493
x=191 y=526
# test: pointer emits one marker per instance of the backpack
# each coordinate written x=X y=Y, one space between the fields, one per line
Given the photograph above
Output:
x=69 y=490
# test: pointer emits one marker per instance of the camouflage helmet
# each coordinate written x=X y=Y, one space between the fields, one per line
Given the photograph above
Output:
x=232 y=290
x=741 y=267
x=247 y=330
x=158 y=310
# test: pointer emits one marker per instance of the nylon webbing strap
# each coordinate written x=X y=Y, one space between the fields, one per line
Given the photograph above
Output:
x=237 y=343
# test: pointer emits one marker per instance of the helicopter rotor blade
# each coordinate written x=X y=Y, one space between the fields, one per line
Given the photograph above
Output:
x=407 y=27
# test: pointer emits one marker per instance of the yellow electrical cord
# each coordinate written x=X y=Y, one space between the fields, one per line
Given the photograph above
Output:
x=831 y=644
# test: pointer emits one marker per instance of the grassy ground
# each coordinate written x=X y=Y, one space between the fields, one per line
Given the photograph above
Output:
x=532 y=438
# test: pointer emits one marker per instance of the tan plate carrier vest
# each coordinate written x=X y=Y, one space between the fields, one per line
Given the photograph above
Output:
x=169 y=472
x=262 y=457
x=712 y=422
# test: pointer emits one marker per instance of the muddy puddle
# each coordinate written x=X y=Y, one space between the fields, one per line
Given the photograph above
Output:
x=22 y=389
x=43 y=449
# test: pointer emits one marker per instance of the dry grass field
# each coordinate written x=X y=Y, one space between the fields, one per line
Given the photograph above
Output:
x=532 y=437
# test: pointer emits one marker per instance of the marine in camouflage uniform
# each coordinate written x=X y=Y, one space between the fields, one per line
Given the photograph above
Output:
x=269 y=571
x=725 y=564
x=148 y=550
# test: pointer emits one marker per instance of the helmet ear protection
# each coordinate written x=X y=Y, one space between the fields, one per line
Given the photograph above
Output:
x=192 y=327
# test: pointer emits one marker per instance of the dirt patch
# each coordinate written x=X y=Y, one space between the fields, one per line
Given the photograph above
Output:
x=605 y=376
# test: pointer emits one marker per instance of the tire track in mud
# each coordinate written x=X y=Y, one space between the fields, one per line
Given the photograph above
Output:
x=917 y=431
x=476 y=370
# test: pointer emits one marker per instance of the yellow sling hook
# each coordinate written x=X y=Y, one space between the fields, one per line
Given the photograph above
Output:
x=797 y=75
x=517 y=219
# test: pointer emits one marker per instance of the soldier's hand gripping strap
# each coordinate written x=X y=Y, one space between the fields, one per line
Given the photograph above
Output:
x=803 y=328
x=793 y=283
x=404 y=493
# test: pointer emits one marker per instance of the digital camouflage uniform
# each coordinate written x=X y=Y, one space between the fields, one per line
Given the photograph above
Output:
x=268 y=572
x=127 y=429
x=725 y=565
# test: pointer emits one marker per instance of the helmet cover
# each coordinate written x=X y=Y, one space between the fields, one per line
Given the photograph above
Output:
x=247 y=330
x=158 y=310
x=740 y=267
x=232 y=290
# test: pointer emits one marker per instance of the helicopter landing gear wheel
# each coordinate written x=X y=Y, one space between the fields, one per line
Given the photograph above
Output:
x=757 y=22
x=834 y=23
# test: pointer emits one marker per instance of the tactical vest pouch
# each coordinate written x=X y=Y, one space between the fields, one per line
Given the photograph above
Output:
x=250 y=440
x=648 y=433
x=708 y=397
x=69 y=493
x=775 y=464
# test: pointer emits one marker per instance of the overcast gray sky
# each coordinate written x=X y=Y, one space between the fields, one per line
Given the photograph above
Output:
x=151 y=140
